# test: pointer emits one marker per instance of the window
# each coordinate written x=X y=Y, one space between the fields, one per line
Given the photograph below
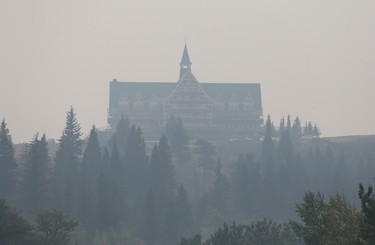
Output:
x=138 y=103
x=123 y=102
x=248 y=103
x=234 y=103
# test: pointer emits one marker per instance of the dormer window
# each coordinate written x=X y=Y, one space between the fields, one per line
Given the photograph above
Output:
x=219 y=103
x=248 y=103
x=234 y=103
x=123 y=102
x=153 y=103
x=138 y=103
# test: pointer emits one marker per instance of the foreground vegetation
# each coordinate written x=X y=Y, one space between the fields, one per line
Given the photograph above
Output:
x=120 y=191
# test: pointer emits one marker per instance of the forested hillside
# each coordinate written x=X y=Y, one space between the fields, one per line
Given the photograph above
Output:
x=123 y=189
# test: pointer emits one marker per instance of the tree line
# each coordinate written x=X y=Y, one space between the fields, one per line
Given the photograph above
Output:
x=121 y=190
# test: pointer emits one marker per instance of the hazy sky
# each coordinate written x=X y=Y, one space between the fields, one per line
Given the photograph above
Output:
x=315 y=59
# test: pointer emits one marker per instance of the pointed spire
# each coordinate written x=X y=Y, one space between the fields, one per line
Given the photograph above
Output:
x=185 y=61
x=185 y=64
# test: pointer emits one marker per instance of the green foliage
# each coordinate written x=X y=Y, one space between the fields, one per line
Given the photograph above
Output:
x=335 y=222
x=367 y=198
x=263 y=232
x=7 y=162
x=220 y=193
x=67 y=165
x=206 y=154
x=196 y=240
x=136 y=163
x=121 y=134
x=268 y=147
x=296 y=129
x=119 y=235
x=90 y=169
x=176 y=133
x=36 y=175
x=14 y=229
x=55 y=227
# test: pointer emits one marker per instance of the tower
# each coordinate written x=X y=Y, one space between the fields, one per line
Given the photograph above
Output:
x=185 y=64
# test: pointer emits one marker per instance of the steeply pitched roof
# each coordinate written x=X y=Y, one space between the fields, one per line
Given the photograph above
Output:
x=185 y=60
x=163 y=89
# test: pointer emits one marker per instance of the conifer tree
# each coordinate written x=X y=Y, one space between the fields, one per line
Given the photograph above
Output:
x=91 y=164
x=176 y=133
x=268 y=149
x=151 y=220
x=288 y=123
x=241 y=187
x=367 y=227
x=136 y=163
x=121 y=135
x=163 y=182
x=282 y=126
x=67 y=165
x=111 y=206
x=316 y=131
x=220 y=191
x=7 y=162
x=205 y=153
x=285 y=148
x=296 y=129
x=305 y=130
x=184 y=212
x=36 y=175
x=310 y=130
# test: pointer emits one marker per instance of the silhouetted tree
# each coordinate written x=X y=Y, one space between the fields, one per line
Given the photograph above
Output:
x=282 y=126
x=220 y=192
x=91 y=166
x=163 y=182
x=55 y=227
x=67 y=165
x=136 y=163
x=176 y=133
x=121 y=134
x=184 y=212
x=205 y=153
x=296 y=131
x=367 y=227
x=7 y=162
x=14 y=229
x=151 y=220
x=35 y=178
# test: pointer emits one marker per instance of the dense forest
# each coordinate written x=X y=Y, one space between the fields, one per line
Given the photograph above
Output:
x=114 y=187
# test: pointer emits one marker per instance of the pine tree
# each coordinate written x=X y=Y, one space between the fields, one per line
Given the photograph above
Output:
x=36 y=175
x=67 y=165
x=288 y=123
x=267 y=156
x=90 y=170
x=282 y=126
x=163 y=182
x=285 y=148
x=367 y=227
x=176 y=132
x=121 y=134
x=316 y=131
x=184 y=212
x=136 y=163
x=151 y=220
x=310 y=130
x=220 y=191
x=111 y=206
x=241 y=187
x=7 y=162
x=205 y=153
x=296 y=129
